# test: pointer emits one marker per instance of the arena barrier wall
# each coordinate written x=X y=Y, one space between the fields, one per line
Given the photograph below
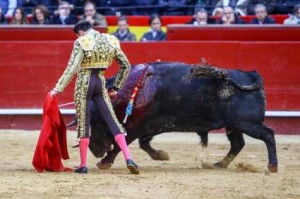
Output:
x=236 y=33
x=29 y=69
x=40 y=33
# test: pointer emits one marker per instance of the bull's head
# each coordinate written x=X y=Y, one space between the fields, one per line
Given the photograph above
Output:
x=101 y=139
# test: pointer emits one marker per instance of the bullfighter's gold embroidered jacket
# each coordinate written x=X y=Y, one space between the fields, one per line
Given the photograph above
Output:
x=95 y=50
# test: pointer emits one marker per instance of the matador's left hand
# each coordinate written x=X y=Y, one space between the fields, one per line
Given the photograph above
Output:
x=53 y=92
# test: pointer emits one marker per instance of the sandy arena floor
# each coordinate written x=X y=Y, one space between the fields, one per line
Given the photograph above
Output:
x=181 y=177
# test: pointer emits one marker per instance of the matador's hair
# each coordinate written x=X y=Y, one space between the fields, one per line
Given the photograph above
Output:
x=83 y=25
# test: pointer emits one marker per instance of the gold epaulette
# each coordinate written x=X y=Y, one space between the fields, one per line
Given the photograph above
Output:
x=87 y=42
x=113 y=40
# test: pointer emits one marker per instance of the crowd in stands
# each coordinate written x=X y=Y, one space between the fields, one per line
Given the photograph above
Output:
x=204 y=12
x=148 y=7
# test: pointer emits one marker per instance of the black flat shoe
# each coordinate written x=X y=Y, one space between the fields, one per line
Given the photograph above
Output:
x=81 y=170
x=133 y=168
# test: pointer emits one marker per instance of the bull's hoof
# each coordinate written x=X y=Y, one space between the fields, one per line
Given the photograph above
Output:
x=206 y=165
x=104 y=165
x=273 y=168
x=160 y=155
x=220 y=165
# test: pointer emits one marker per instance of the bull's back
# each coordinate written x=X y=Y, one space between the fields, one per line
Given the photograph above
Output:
x=184 y=102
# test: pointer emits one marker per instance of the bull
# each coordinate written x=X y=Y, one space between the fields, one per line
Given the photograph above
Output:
x=186 y=98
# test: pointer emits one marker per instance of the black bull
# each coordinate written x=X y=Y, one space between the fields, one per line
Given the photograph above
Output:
x=185 y=98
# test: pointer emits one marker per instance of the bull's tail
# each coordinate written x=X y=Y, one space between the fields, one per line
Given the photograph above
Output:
x=247 y=81
x=204 y=139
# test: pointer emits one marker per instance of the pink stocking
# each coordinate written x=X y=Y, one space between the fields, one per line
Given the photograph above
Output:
x=83 y=146
x=120 y=139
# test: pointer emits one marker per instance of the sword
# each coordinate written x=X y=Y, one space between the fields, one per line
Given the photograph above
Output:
x=66 y=104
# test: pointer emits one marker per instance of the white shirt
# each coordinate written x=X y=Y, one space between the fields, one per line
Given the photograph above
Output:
x=11 y=8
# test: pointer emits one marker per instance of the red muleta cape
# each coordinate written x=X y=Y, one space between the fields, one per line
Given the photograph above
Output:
x=51 y=147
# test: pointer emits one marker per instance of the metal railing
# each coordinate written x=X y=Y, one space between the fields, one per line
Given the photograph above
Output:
x=164 y=9
x=35 y=111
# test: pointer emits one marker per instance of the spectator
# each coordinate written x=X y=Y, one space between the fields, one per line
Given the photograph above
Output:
x=294 y=18
x=2 y=17
x=64 y=16
x=217 y=13
x=123 y=33
x=40 y=15
x=8 y=7
x=201 y=18
x=145 y=7
x=262 y=16
x=92 y=16
x=19 y=17
x=173 y=7
x=155 y=33
x=229 y=17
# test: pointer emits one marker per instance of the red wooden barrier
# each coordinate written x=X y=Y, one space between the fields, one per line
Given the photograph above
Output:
x=40 y=33
x=174 y=32
x=29 y=69
x=233 y=33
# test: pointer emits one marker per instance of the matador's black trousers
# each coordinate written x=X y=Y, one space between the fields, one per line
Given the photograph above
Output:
x=90 y=87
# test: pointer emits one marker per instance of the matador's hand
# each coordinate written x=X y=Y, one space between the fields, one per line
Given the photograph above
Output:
x=53 y=92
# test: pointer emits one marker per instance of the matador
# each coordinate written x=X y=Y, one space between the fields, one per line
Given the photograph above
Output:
x=92 y=54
